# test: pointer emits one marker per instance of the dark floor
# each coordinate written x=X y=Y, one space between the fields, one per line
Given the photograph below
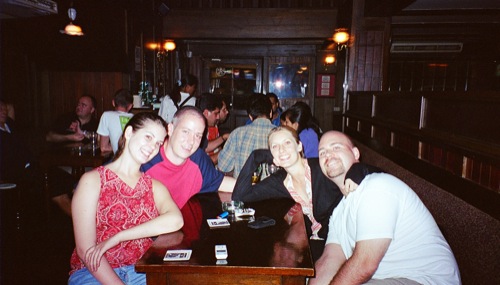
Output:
x=37 y=249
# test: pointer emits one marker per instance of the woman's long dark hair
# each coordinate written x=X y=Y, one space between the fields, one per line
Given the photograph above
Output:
x=301 y=113
x=137 y=122
x=189 y=79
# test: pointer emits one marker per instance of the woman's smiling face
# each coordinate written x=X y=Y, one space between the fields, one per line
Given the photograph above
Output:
x=285 y=149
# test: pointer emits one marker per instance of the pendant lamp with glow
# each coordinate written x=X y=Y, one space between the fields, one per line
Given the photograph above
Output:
x=71 y=29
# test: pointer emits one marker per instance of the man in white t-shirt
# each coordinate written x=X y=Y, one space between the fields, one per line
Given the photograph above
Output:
x=381 y=233
x=112 y=122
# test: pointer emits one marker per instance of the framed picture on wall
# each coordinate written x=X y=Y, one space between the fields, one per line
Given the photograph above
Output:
x=325 y=85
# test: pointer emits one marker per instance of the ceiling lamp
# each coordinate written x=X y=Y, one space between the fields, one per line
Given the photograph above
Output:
x=71 y=29
x=341 y=37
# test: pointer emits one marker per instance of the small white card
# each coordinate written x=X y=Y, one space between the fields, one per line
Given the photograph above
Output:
x=177 y=255
x=218 y=223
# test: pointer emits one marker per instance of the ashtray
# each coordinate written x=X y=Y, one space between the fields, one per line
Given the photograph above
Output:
x=232 y=206
x=244 y=213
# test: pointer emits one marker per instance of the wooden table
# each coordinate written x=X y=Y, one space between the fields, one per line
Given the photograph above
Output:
x=276 y=255
x=78 y=156
x=75 y=155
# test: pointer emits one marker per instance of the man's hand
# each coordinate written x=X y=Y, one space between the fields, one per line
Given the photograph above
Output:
x=75 y=127
x=76 y=137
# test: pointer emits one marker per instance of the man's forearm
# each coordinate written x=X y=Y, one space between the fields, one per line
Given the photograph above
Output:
x=363 y=263
x=352 y=273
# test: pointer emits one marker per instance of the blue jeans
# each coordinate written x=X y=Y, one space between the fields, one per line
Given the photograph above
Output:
x=126 y=273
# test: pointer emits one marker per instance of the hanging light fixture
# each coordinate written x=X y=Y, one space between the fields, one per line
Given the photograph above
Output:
x=71 y=29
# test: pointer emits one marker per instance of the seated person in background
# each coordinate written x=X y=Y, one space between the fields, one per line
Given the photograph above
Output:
x=181 y=95
x=381 y=233
x=299 y=179
x=71 y=127
x=275 y=106
x=299 y=117
x=17 y=165
x=276 y=110
x=181 y=165
x=243 y=140
x=213 y=132
x=108 y=244
x=211 y=105
x=112 y=123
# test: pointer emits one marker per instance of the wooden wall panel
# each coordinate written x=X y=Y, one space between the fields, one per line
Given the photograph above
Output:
x=458 y=148
x=463 y=115
x=64 y=88
x=398 y=109
x=366 y=63
x=250 y=23
x=361 y=104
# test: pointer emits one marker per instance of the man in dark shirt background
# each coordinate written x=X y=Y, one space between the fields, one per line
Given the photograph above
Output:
x=70 y=127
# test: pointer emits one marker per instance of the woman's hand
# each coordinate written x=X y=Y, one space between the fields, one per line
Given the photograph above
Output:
x=349 y=186
x=94 y=254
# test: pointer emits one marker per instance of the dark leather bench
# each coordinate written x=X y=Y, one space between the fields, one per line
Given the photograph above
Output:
x=473 y=235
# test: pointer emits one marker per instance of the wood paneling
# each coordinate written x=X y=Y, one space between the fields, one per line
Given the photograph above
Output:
x=398 y=109
x=464 y=115
x=63 y=89
x=250 y=24
x=457 y=144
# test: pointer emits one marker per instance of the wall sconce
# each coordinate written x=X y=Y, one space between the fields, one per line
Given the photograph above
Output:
x=169 y=46
x=341 y=37
x=71 y=29
x=329 y=59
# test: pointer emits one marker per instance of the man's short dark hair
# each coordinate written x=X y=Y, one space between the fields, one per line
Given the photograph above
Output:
x=273 y=96
x=260 y=105
x=123 y=98
x=92 y=99
x=210 y=102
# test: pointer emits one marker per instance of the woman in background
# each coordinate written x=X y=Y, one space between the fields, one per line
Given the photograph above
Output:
x=117 y=208
x=182 y=95
x=300 y=118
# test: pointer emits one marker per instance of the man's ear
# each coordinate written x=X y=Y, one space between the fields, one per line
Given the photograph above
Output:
x=356 y=153
x=170 y=129
x=250 y=116
x=295 y=125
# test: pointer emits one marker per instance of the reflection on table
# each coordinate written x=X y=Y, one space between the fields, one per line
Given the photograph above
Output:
x=279 y=254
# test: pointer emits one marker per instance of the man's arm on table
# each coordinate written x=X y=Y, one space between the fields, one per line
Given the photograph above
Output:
x=227 y=184
x=55 y=137
x=362 y=265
